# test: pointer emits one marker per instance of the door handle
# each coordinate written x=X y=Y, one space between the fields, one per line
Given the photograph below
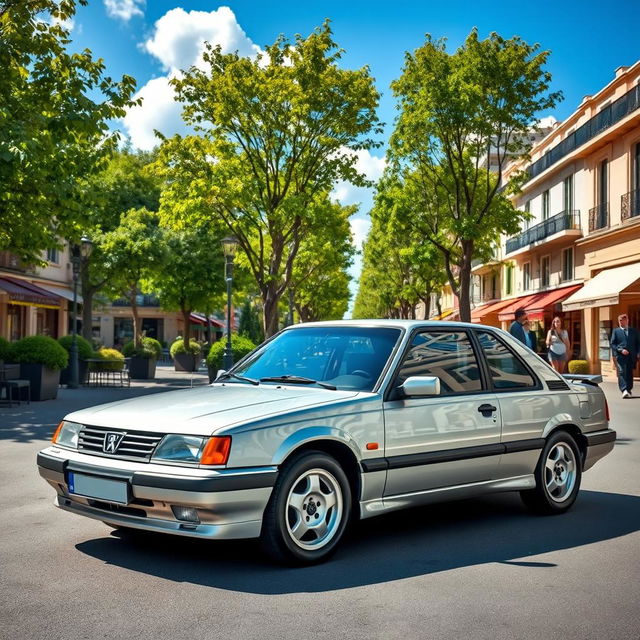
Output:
x=485 y=409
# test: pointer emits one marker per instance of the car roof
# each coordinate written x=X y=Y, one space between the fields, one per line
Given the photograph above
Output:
x=399 y=324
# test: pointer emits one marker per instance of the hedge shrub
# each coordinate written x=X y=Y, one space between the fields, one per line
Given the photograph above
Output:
x=150 y=348
x=108 y=354
x=240 y=346
x=85 y=351
x=5 y=350
x=578 y=366
x=40 y=350
x=178 y=347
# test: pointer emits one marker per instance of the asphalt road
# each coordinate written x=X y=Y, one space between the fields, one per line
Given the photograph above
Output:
x=475 y=569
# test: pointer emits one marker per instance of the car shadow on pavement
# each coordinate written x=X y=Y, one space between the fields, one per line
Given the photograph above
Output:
x=493 y=529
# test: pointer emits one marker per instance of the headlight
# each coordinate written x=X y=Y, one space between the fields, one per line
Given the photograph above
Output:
x=66 y=434
x=193 y=449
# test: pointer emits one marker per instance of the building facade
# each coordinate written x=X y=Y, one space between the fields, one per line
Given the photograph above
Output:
x=578 y=256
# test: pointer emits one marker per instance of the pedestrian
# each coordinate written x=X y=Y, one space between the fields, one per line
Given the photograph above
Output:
x=558 y=345
x=530 y=336
x=625 y=349
x=516 y=329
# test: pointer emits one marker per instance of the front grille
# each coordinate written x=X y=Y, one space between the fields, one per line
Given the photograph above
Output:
x=136 y=445
x=557 y=385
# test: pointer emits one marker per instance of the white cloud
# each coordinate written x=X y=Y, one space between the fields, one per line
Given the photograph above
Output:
x=124 y=9
x=179 y=37
x=372 y=167
x=67 y=24
x=178 y=42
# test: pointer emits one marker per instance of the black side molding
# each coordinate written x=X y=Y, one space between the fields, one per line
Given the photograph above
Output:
x=600 y=437
x=49 y=462
x=221 y=483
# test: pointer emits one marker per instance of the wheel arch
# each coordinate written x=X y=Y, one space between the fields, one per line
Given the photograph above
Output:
x=574 y=430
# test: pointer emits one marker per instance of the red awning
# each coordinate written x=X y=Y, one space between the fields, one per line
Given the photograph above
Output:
x=507 y=313
x=28 y=294
x=199 y=318
x=493 y=307
x=535 y=310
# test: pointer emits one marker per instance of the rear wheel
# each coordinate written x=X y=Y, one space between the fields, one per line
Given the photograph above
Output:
x=558 y=475
x=308 y=511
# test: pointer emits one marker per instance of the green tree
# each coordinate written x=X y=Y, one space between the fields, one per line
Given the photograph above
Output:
x=279 y=130
x=135 y=252
x=462 y=117
x=250 y=324
x=191 y=277
x=124 y=183
x=54 y=113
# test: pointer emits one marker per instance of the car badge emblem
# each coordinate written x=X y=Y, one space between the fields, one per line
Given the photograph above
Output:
x=112 y=441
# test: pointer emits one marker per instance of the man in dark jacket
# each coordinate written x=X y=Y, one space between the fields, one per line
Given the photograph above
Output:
x=625 y=349
x=516 y=329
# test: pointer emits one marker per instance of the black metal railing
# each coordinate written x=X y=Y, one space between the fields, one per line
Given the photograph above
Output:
x=599 y=217
x=560 y=222
x=630 y=205
x=607 y=117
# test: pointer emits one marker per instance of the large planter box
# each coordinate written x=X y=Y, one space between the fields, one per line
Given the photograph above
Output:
x=142 y=368
x=83 y=368
x=44 y=381
x=186 y=362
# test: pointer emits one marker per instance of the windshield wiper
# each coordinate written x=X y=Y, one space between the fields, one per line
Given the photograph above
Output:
x=237 y=377
x=298 y=380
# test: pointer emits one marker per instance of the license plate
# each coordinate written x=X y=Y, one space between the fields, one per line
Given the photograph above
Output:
x=99 y=488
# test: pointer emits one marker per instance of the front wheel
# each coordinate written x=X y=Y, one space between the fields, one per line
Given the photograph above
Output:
x=557 y=476
x=308 y=511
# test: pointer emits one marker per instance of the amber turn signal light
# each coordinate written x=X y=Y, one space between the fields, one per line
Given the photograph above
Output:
x=56 y=433
x=372 y=446
x=216 y=451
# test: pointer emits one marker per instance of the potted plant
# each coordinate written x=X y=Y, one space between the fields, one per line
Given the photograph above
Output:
x=240 y=347
x=85 y=351
x=41 y=358
x=142 y=363
x=185 y=359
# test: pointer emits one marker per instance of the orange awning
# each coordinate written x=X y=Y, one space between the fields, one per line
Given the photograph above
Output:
x=535 y=309
x=507 y=313
x=493 y=307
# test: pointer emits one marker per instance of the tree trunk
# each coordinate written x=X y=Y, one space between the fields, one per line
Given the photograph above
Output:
x=137 y=322
x=270 y=312
x=464 y=298
x=186 y=335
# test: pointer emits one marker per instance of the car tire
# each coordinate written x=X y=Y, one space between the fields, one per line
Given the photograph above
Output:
x=558 y=475
x=308 y=511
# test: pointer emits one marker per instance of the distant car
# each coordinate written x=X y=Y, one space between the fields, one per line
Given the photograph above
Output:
x=329 y=422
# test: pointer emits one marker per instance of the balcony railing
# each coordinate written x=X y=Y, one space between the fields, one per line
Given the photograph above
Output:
x=604 y=119
x=599 y=217
x=560 y=222
x=630 y=205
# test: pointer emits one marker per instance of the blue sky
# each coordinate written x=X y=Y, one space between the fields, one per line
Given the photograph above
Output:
x=588 y=41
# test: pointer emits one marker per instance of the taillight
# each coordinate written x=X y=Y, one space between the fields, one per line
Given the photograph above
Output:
x=216 y=451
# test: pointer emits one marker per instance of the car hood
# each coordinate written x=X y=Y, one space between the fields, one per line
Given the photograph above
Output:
x=207 y=409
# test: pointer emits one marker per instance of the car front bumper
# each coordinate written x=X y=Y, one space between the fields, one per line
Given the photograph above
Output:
x=229 y=502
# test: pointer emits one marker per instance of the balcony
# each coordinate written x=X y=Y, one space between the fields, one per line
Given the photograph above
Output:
x=564 y=221
x=630 y=205
x=606 y=118
x=599 y=217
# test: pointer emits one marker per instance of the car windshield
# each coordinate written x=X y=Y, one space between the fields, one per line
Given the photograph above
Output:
x=349 y=358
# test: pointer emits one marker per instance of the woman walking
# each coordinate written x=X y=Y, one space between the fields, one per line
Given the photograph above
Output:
x=558 y=345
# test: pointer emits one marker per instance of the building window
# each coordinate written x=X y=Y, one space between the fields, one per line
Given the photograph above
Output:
x=567 y=264
x=545 y=271
x=527 y=208
x=568 y=194
x=508 y=279
x=545 y=205
x=526 y=276
x=52 y=256
x=603 y=182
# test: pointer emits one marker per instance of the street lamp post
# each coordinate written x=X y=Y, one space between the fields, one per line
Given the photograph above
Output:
x=229 y=246
x=78 y=252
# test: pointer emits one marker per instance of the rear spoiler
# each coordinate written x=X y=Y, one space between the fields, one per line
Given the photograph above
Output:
x=595 y=380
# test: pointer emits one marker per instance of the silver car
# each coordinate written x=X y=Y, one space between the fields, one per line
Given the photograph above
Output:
x=329 y=422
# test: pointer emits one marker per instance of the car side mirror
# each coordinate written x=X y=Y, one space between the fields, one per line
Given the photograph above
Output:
x=421 y=386
x=220 y=372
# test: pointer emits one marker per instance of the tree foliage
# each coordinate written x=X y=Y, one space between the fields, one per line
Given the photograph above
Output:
x=54 y=112
x=278 y=132
x=462 y=117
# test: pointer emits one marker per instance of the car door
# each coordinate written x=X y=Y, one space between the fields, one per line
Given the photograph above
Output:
x=524 y=406
x=445 y=440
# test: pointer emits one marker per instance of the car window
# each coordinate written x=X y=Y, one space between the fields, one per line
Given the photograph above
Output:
x=506 y=369
x=448 y=355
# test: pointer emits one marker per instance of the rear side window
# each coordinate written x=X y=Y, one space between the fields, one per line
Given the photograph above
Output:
x=506 y=369
x=447 y=355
